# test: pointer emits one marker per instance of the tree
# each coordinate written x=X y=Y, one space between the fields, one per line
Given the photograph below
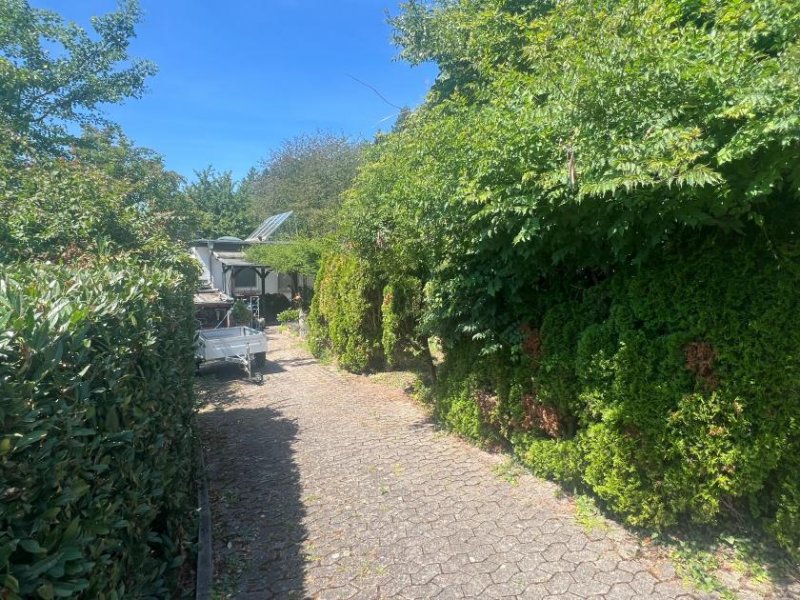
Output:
x=221 y=204
x=300 y=255
x=571 y=138
x=149 y=185
x=55 y=74
x=308 y=175
x=71 y=212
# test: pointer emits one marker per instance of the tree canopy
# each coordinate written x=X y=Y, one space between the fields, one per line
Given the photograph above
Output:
x=54 y=74
x=73 y=187
x=298 y=255
x=308 y=175
x=149 y=185
x=220 y=203
x=576 y=136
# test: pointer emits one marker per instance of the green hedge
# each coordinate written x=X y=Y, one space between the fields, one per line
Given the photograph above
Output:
x=400 y=311
x=365 y=318
x=345 y=318
x=290 y=315
x=96 y=453
x=672 y=390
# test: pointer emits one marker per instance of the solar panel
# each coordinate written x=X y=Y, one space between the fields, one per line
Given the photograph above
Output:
x=268 y=227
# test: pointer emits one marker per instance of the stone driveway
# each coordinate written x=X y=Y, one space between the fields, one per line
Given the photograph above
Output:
x=328 y=486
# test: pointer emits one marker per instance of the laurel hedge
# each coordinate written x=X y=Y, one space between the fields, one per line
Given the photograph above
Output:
x=97 y=443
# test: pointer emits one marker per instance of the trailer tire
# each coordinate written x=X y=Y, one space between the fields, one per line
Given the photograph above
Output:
x=259 y=359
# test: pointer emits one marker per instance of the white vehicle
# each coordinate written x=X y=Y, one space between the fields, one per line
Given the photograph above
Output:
x=241 y=345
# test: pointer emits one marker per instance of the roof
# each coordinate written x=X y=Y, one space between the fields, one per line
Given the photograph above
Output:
x=268 y=227
x=262 y=232
x=236 y=259
x=225 y=242
x=212 y=297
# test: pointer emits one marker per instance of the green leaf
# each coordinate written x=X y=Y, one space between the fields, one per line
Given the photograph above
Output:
x=32 y=546
x=29 y=439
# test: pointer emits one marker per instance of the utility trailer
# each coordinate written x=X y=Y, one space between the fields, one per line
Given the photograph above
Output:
x=244 y=346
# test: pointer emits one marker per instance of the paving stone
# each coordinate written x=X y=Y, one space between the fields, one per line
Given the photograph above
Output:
x=476 y=585
x=614 y=576
x=345 y=592
x=426 y=591
x=536 y=591
x=589 y=588
x=425 y=574
x=621 y=591
x=504 y=573
x=503 y=590
x=451 y=593
x=643 y=583
x=559 y=583
x=330 y=486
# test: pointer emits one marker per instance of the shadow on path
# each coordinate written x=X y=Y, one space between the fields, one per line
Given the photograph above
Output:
x=255 y=495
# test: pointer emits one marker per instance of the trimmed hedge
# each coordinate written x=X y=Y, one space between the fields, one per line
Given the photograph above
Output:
x=365 y=319
x=97 y=446
x=672 y=390
x=345 y=318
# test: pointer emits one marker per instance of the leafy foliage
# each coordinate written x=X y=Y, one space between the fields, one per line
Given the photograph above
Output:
x=308 y=175
x=576 y=137
x=97 y=324
x=606 y=194
x=221 y=204
x=94 y=462
x=288 y=316
x=53 y=74
x=148 y=185
x=65 y=211
x=299 y=255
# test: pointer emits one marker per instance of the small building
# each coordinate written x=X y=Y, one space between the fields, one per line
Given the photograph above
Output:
x=226 y=270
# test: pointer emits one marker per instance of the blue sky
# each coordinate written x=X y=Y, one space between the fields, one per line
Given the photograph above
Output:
x=237 y=77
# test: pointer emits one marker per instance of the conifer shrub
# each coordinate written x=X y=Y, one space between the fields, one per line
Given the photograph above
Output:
x=461 y=396
x=345 y=318
x=400 y=311
x=557 y=459
x=670 y=389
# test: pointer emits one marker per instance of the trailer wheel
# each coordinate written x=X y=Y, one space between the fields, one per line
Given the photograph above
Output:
x=259 y=359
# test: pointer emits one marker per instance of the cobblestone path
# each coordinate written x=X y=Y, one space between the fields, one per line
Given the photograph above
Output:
x=329 y=486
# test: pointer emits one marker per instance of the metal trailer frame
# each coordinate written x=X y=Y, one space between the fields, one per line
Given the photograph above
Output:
x=239 y=345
